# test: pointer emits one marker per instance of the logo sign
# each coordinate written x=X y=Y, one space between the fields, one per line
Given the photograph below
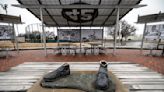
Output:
x=80 y=15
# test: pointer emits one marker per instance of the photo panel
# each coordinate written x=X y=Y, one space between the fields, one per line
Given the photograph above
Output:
x=69 y=35
x=91 y=34
x=73 y=35
x=6 y=32
x=152 y=30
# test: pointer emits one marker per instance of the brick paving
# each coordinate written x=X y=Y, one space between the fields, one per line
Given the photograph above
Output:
x=154 y=63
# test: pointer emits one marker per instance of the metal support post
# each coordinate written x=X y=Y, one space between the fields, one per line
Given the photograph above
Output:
x=103 y=37
x=80 y=32
x=117 y=29
x=44 y=35
x=80 y=40
x=15 y=38
x=58 y=36
x=17 y=45
x=142 y=43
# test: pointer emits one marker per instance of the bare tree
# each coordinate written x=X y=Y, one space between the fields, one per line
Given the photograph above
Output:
x=126 y=31
x=110 y=31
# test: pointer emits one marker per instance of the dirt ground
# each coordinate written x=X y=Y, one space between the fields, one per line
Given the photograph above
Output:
x=154 y=63
x=9 y=44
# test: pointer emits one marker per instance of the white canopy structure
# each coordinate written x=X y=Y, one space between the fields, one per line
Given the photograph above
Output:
x=79 y=13
x=159 y=17
x=11 y=20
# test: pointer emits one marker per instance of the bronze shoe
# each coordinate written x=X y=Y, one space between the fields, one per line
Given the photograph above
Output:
x=62 y=71
x=102 y=81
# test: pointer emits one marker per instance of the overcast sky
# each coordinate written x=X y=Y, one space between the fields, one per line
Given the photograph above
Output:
x=153 y=6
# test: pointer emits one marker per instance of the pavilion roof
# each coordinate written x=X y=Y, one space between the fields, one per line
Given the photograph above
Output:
x=74 y=13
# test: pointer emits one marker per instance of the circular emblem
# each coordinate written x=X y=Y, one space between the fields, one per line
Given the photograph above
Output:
x=80 y=15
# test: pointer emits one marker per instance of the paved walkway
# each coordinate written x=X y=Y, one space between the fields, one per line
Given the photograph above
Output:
x=154 y=63
x=134 y=77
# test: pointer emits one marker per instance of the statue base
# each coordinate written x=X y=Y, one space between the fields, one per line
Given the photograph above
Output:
x=82 y=81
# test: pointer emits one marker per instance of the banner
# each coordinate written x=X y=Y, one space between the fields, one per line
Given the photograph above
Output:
x=161 y=32
x=73 y=35
x=154 y=31
x=69 y=35
x=91 y=34
x=6 y=32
